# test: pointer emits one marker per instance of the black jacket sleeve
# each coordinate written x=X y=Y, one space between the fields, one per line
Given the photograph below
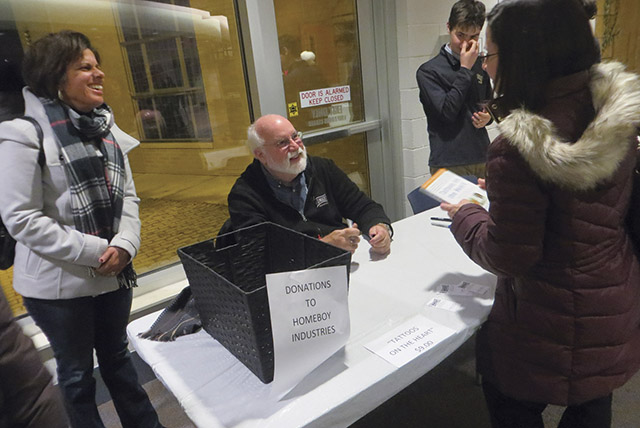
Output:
x=438 y=98
x=245 y=210
x=352 y=202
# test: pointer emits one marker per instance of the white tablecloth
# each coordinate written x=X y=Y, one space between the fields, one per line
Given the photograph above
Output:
x=216 y=390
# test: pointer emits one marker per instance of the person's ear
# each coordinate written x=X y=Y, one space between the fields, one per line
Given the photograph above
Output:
x=260 y=155
x=448 y=27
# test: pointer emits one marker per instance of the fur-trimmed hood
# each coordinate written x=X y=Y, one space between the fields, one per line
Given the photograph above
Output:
x=602 y=146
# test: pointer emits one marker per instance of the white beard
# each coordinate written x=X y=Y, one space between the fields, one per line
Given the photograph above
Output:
x=286 y=167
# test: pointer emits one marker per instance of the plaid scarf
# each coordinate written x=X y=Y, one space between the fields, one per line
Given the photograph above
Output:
x=94 y=165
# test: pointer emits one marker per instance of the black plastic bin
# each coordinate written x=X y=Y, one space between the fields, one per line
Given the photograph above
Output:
x=229 y=285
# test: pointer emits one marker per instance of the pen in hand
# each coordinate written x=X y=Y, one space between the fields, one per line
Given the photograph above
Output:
x=441 y=219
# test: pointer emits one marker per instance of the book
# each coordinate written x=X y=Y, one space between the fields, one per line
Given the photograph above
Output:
x=447 y=186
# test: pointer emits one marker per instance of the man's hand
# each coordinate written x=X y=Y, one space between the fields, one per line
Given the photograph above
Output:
x=469 y=53
x=480 y=119
x=380 y=240
x=347 y=238
x=113 y=260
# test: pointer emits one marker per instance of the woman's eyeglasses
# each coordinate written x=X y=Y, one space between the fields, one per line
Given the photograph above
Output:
x=484 y=55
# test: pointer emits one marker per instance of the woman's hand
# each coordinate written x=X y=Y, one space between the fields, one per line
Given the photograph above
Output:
x=482 y=183
x=452 y=209
x=113 y=260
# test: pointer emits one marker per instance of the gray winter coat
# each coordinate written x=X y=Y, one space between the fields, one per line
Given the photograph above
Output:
x=53 y=258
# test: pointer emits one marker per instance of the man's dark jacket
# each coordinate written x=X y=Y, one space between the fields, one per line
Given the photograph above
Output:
x=450 y=94
x=331 y=197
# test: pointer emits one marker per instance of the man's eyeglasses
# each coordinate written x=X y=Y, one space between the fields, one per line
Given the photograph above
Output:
x=484 y=55
x=296 y=137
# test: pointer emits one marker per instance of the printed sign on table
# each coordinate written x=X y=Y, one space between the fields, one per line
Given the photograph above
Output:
x=409 y=340
x=464 y=289
x=309 y=321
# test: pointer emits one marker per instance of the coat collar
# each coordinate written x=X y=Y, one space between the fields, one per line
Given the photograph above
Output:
x=602 y=146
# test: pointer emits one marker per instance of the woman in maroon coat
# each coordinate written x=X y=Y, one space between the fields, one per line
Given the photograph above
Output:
x=565 y=325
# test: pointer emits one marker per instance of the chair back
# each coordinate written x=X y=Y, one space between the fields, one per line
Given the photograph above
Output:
x=421 y=202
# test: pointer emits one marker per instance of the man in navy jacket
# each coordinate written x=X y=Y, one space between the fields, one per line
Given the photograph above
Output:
x=453 y=88
x=304 y=193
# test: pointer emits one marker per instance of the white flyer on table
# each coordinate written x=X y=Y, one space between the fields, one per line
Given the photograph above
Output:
x=409 y=340
x=309 y=321
x=464 y=289
x=447 y=305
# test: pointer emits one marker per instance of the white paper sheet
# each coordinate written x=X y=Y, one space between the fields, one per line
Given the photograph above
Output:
x=409 y=340
x=309 y=321
x=464 y=289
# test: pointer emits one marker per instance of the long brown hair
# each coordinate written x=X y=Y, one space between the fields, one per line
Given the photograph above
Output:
x=538 y=40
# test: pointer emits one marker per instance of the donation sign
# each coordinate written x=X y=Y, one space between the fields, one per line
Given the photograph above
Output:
x=309 y=321
x=319 y=97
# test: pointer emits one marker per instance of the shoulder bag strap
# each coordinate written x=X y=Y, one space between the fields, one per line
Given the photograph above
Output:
x=41 y=158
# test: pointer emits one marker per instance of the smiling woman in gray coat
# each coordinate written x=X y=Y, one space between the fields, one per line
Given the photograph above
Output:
x=76 y=223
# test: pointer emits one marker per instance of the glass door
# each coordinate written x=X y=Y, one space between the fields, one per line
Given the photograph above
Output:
x=315 y=63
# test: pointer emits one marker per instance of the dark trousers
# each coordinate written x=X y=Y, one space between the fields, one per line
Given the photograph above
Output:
x=507 y=412
x=75 y=327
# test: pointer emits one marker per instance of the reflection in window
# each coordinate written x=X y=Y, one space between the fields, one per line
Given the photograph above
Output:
x=165 y=73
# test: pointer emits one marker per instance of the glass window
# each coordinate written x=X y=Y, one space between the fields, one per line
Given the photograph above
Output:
x=320 y=59
x=322 y=76
x=350 y=154
x=191 y=112
x=165 y=71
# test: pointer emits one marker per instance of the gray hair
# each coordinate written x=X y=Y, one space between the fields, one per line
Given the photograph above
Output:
x=254 y=140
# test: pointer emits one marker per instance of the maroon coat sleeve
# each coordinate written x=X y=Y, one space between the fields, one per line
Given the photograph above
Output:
x=509 y=239
x=28 y=397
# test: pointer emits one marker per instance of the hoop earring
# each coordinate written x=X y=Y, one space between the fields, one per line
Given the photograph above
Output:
x=60 y=97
